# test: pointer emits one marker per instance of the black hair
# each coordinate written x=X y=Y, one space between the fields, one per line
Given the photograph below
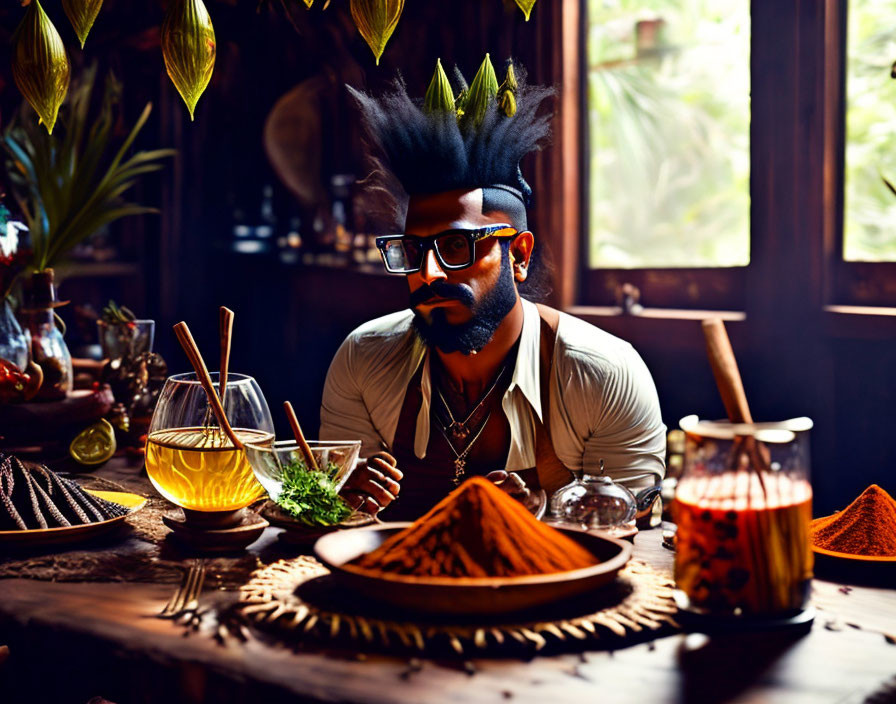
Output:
x=432 y=153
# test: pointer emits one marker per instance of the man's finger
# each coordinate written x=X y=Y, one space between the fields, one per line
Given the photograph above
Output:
x=384 y=470
x=359 y=501
x=385 y=456
x=379 y=493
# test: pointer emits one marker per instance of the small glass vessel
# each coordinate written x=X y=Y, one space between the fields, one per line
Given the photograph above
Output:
x=190 y=460
x=595 y=502
x=13 y=340
x=48 y=348
x=126 y=340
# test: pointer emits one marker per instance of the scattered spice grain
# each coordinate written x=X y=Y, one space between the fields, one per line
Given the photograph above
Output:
x=477 y=531
x=866 y=527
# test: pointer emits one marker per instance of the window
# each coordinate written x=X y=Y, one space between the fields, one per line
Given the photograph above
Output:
x=668 y=168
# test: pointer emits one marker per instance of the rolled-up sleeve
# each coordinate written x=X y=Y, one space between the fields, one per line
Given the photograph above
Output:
x=607 y=409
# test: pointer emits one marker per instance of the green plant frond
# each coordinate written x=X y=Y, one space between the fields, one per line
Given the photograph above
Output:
x=64 y=182
x=144 y=116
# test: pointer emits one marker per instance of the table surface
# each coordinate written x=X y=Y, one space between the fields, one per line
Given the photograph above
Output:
x=72 y=641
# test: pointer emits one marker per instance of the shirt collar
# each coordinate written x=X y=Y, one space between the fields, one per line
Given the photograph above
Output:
x=527 y=372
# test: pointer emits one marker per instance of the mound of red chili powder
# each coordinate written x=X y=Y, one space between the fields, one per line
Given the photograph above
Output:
x=477 y=531
x=866 y=527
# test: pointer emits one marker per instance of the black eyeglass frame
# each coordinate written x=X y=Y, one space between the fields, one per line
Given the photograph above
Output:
x=429 y=243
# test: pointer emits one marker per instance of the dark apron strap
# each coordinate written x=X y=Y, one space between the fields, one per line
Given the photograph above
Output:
x=550 y=473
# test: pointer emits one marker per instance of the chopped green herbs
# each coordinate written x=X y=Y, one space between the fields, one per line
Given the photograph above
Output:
x=311 y=496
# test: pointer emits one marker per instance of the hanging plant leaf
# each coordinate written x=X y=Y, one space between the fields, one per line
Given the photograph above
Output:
x=82 y=14
x=482 y=90
x=376 y=20
x=309 y=3
x=40 y=66
x=526 y=7
x=439 y=96
x=188 y=46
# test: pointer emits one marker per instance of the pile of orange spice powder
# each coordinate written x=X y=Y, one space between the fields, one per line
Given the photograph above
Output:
x=477 y=531
x=866 y=527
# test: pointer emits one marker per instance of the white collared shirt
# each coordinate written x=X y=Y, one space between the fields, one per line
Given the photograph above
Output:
x=603 y=402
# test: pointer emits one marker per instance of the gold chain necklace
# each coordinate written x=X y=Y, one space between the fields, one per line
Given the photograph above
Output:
x=460 y=458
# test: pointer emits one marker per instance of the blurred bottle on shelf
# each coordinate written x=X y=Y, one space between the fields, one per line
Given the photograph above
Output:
x=257 y=235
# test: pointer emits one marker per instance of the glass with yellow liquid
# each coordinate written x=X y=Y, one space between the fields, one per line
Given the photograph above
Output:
x=190 y=460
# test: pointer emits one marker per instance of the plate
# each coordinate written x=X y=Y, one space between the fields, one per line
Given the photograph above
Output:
x=853 y=557
x=73 y=534
x=466 y=595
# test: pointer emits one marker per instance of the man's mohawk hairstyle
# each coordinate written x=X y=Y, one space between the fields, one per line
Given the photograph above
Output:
x=474 y=140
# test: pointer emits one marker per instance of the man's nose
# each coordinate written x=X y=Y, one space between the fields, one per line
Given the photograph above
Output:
x=431 y=270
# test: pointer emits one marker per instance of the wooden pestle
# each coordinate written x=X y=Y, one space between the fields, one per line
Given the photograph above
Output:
x=724 y=369
x=226 y=331
x=730 y=385
x=310 y=462
x=189 y=344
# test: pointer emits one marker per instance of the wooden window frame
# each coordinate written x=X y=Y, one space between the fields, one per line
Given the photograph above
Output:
x=797 y=279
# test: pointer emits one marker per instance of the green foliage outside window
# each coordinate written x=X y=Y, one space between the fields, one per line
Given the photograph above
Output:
x=870 y=207
x=668 y=128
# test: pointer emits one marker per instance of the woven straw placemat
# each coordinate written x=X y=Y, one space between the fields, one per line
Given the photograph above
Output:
x=299 y=603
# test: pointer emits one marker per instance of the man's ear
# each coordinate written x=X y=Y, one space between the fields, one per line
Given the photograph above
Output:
x=520 y=253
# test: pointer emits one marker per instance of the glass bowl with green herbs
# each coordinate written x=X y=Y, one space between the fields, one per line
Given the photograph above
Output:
x=310 y=496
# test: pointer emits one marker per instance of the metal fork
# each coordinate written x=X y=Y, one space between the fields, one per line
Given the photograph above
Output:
x=186 y=597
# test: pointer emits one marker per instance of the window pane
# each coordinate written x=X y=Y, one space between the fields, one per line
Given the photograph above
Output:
x=869 y=228
x=668 y=128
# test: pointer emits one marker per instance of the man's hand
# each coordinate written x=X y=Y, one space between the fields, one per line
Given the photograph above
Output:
x=511 y=483
x=376 y=482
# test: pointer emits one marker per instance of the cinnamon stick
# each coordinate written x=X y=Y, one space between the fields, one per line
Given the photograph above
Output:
x=182 y=331
x=310 y=462
x=724 y=369
x=226 y=331
x=731 y=387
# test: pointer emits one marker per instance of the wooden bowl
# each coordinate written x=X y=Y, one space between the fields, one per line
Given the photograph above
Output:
x=466 y=595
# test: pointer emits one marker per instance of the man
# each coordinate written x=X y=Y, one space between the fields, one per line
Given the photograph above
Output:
x=474 y=378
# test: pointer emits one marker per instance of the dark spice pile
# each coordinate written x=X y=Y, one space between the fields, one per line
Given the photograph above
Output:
x=477 y=531
x=35 y=497
x=866 y=527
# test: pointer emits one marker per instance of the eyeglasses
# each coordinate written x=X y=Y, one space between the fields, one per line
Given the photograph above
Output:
x=454 y=249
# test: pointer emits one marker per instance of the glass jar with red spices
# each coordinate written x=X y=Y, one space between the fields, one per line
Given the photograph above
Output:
x=743 y=507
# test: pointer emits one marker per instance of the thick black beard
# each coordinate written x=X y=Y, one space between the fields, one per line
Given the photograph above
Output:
x=488 y=313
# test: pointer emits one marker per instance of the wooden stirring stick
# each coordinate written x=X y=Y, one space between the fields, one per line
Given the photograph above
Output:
x=724 y=369
x=189 y=344
x=731 y=386
x=226 y=329
x=310 y=462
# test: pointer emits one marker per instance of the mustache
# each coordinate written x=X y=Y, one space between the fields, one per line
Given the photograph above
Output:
x=442 y=289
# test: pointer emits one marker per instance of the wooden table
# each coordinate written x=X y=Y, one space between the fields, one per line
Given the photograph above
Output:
x=74 y=641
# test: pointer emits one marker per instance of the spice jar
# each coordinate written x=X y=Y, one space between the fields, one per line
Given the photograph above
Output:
x=743 y=507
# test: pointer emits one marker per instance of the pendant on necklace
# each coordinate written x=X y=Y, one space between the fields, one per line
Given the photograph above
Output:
x=459 y=465
x=458 y=431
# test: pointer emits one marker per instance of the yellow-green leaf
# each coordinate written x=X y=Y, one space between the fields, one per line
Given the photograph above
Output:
x=526 y=7
x=40 y=66
x=482 y=90
x=82 y=14
x=309 y=3
x=507 y=103
x=439 y=96
x=189 y=48
x=376 y=20
x=507 y=93
x=510 y=82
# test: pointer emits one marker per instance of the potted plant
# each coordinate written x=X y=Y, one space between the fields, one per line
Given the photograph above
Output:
x=69 y=185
